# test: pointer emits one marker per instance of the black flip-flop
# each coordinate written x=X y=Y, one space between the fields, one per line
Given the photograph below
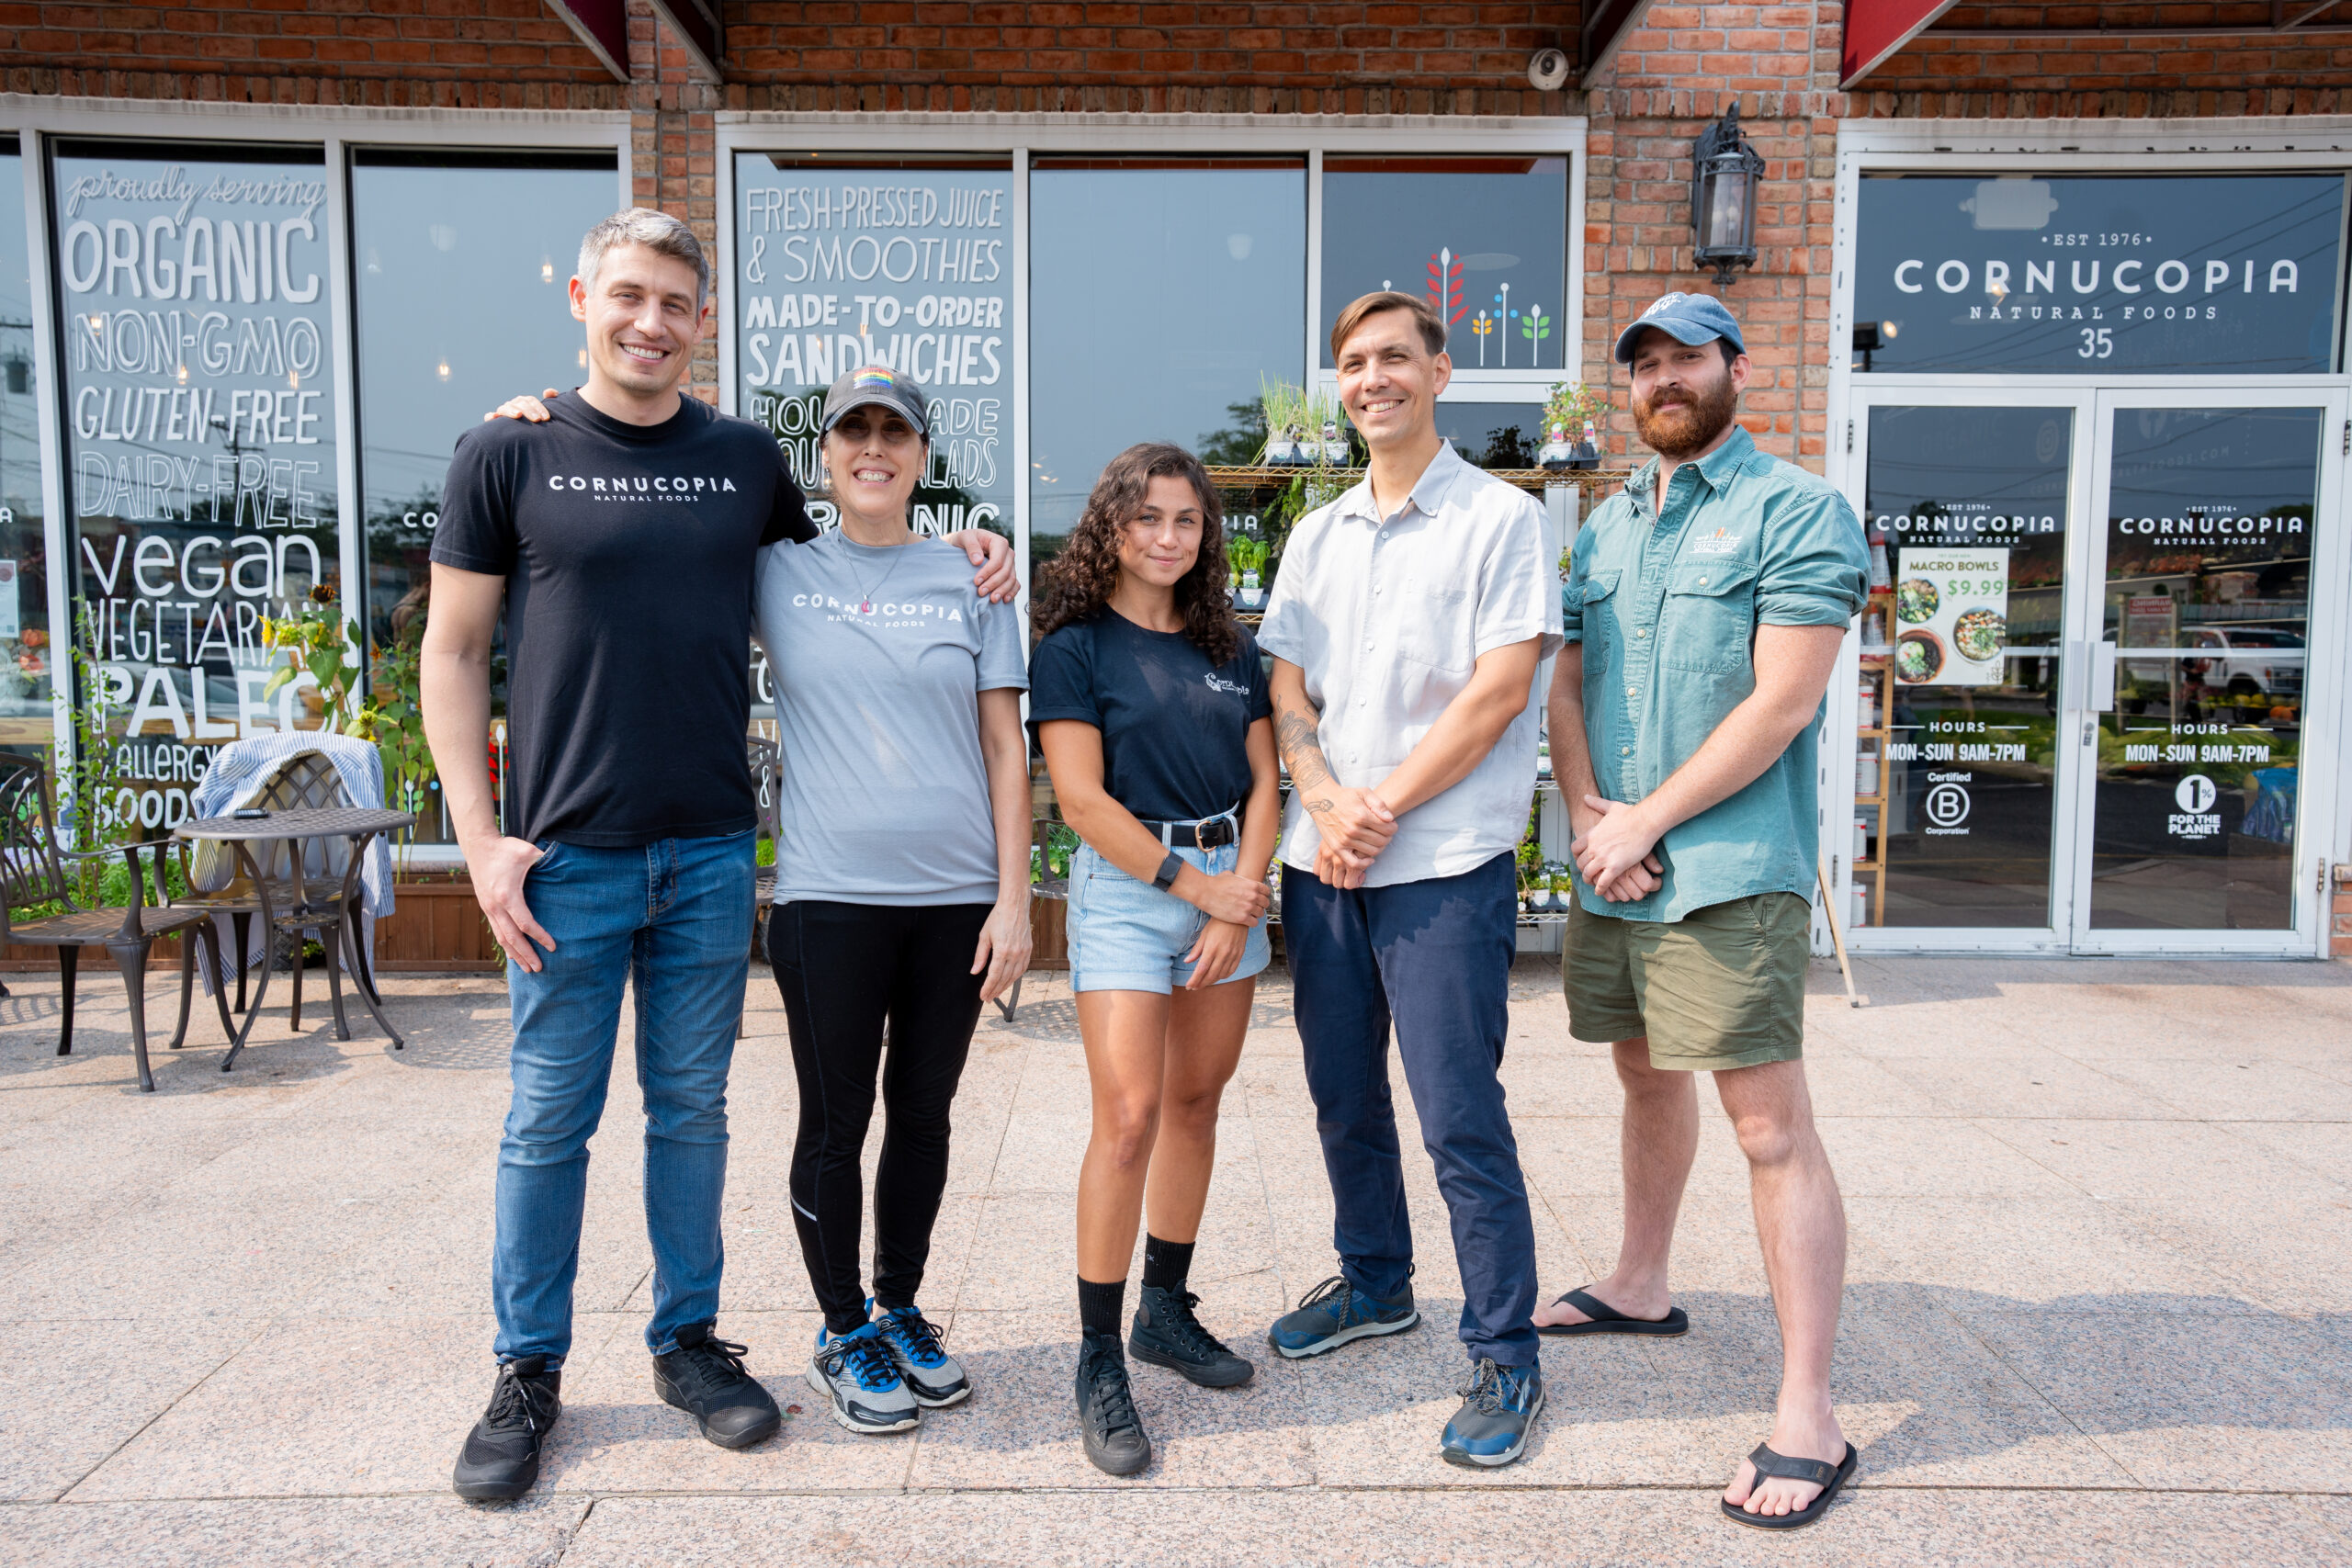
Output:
x=1821 y=1473
x=1607 y=1319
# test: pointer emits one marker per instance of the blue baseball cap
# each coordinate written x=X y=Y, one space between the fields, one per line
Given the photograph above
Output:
x=1690 y=319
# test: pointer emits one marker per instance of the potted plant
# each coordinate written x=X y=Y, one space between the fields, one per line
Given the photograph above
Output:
x=1571 y=406
x=1285 y=409
x=1247 y=558
x=317 y=640
x=1323 y=412
x=1564 y=890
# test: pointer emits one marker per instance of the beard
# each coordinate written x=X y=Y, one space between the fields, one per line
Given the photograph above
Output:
x=1681 y=432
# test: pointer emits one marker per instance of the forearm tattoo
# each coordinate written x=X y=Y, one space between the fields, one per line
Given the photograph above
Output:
x=1298 y=737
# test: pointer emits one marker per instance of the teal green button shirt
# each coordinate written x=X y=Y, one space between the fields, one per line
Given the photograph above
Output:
x=1667 y=604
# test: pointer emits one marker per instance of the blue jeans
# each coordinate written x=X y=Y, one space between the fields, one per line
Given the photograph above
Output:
x=1434 y=958
x=675 y=916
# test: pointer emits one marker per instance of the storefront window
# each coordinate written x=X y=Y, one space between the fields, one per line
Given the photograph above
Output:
x=2208 y=599
x=1492 y=435
x=1163 y=292
x=1955 y=784
x=26 y=651
x=904 y=262
x=199 y=426
x=1483 y=239
x=461 y=264
x=2096 y=274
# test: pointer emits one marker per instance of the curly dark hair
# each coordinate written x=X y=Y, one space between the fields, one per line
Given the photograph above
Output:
x=1080 y=581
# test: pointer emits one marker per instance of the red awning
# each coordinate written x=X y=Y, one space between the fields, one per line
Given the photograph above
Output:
x=1876 y=28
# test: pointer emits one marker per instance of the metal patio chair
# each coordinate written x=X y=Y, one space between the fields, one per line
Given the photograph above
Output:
x=32 y=872
x=305 y=781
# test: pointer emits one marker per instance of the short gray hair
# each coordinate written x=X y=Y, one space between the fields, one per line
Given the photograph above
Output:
x=658 y=232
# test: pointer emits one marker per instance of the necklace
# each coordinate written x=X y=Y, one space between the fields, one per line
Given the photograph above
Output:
x=866 y=596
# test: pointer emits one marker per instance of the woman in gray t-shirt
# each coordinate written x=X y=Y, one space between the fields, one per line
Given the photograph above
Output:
x=902 y=879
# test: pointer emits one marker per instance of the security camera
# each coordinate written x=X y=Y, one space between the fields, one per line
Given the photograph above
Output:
x=1547 y=71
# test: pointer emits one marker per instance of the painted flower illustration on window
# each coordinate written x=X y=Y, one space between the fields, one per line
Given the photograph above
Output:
x=1483 y=326
x=1445 y=286
x=1503 y=313
x=1534 y=327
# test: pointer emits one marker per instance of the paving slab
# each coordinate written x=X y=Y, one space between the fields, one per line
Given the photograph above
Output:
x=2099 y=1302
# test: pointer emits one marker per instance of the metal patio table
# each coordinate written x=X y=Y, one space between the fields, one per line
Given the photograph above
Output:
x=300 y=902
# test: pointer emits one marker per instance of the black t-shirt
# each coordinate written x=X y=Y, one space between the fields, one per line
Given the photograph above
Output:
x=1173 y=725
x=628 y=552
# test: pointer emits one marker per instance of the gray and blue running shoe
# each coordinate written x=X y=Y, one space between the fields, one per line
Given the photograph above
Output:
x=935 y=1377
x=1334 y=1313
x=856 y=1373
x=1500 y=1405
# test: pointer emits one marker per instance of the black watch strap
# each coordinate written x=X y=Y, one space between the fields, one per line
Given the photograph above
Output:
x=1168 y=869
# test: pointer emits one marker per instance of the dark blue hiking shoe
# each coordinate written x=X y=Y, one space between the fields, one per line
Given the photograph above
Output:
x=1500 y=1405
x=1334 y=1313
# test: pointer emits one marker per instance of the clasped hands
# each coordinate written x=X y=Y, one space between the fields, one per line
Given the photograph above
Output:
x=1353 y=825
x=1616 y=849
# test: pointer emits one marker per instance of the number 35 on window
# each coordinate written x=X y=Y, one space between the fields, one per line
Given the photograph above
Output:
x=2096 y=344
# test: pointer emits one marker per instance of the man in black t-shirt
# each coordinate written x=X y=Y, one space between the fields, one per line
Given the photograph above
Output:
x=620 y=543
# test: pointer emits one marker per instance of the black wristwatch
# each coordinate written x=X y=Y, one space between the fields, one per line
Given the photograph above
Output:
x=1168 y=869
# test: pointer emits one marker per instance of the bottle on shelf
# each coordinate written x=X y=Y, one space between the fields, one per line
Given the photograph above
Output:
x=1881 y=577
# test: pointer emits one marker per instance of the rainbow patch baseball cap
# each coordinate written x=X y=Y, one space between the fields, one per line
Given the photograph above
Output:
x=879 y=385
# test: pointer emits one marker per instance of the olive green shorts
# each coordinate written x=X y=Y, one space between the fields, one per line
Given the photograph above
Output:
x=1722 y=987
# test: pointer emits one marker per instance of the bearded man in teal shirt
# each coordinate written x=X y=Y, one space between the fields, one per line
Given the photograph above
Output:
x=1703 y=616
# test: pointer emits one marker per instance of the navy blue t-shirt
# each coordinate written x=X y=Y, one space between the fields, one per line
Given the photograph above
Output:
x=1174 y=726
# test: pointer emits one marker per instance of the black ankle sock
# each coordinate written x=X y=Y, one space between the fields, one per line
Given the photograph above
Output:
x=1166 y=1264
x=1100 y=1307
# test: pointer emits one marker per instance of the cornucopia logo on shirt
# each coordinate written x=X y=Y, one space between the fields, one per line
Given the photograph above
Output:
x=644 y=487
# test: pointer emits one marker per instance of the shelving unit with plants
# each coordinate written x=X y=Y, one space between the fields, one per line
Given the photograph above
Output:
x=1875 y=705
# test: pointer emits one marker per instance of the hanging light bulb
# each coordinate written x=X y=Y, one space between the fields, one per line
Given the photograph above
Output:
x=546 y=269
x=442 y=369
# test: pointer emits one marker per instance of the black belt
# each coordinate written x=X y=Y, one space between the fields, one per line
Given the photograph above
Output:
x=1212 y=834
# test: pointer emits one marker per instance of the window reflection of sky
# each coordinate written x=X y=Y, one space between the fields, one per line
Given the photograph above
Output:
x=1493 y=436
x=22 y=694
x=461 y=304
x=1158 y=297
x=1500 y=225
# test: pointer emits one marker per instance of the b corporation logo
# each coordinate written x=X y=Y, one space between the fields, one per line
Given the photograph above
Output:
x=2196 y=796
x=1947 y=806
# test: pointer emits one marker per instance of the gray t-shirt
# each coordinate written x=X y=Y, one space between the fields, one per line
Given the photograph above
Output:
x=878 y=658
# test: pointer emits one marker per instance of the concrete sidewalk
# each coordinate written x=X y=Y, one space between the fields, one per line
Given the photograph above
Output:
x=2100 y=1308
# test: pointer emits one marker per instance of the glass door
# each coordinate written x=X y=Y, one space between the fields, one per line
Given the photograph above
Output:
x=1958 y=837
x=2204 y=667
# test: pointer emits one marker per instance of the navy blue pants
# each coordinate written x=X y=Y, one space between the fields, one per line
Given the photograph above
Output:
x=1434 y=958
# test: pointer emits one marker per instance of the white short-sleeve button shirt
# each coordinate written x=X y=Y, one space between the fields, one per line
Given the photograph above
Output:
x=1387 y=618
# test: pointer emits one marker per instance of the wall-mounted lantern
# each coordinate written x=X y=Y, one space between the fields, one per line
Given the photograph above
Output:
x=1724 y=174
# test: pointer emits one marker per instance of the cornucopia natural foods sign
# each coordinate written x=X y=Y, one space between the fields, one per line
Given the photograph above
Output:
x=2222 y=274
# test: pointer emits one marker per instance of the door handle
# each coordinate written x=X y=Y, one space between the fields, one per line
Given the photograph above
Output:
x=2102 y=677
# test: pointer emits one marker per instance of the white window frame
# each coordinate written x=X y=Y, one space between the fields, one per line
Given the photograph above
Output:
x=1018 y=136
x=2317 y=144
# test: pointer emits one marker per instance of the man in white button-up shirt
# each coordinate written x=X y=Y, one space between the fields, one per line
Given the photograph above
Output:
x=1406 y=627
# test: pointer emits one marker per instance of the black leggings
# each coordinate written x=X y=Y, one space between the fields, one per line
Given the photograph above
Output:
x=847 y=971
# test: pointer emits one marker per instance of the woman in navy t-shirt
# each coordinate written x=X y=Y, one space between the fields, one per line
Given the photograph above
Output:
x=1151 y=707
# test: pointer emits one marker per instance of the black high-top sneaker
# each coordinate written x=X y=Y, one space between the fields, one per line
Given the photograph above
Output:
x=501 y=1458
x=1106 y=1408
x=1166 y=1334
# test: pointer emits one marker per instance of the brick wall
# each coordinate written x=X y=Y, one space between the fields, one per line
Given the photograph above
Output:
x=1683 y=66
x=1301 y=58
x=2252 y=71
x=449 y=53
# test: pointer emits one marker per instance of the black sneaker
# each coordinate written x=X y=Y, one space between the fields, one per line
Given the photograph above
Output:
x=704 y=1377
x=1106 y=1408
x=501 y=1458
x=1167 y=1334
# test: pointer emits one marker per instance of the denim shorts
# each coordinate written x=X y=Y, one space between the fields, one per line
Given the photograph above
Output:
x=1127 y=935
